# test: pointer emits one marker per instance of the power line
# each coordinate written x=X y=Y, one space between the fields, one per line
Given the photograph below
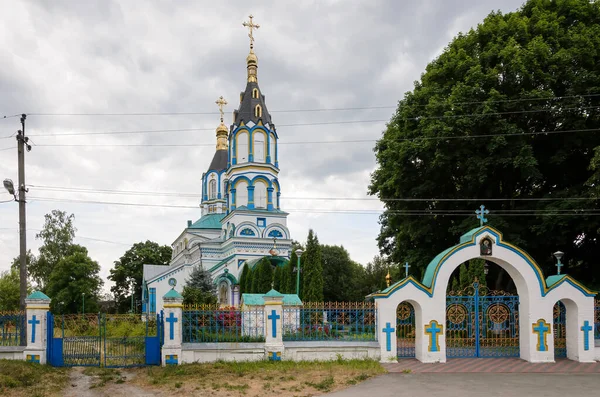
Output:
x=425 y=138
x=576 y=212
x=318 y=110
x=8 y=148
x=76 y=237
x=198 y=194
x=341 y=122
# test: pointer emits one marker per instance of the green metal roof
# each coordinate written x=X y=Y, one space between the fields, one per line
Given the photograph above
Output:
x=550 y=281
x=275 y=260
x=38 y=295
x=173 y=294
x=209 y=221
x=273 y=293
x=468 y=236
x=258 y=299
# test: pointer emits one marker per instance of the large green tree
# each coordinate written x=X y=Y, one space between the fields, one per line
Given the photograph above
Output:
x=312 y=270
x=339 y=274
x=128 y=271
x=75 y=278
x=515 y=75
x=262 y=276
x=57 y=237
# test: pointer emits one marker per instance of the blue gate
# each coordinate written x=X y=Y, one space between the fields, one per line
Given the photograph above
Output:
x=560 y=330
x=405 y=330
x=112 y=341
x=481 y=323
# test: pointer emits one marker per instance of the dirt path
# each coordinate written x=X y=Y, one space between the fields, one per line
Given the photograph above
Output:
x=82 y=385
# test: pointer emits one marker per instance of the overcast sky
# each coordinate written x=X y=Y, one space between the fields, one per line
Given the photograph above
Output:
x=161 y=56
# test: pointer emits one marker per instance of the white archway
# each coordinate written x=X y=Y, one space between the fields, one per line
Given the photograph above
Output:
x=536 y=300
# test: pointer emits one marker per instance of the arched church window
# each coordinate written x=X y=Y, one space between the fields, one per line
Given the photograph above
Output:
x=272 y=143
x=212 y=189
x=259 y=147
x=260 y=195
x=247 y=232
x=275 y=234
x=242 y=142
x=241 y=194
x=257 y=111
x=255 y=93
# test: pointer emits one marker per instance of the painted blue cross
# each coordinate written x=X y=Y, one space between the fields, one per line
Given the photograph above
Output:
x=481 y=213
x=434 y=329
x=172 y=359
x=406 y=266
x=559 y=264
x=541 y=328
x=172 y=320
x=275 y=356
x=586 y=334
x=274 y=317
x=388 y=336
x=33 y=323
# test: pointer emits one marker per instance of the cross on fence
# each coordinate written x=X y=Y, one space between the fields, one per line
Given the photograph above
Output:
x=274 y=317
x=33 y=323
x=171 y=320
x=388 y=336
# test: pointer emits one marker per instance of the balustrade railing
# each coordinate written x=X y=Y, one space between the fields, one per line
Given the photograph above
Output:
x=341 y=321
x=12 y=325
x=202 y=324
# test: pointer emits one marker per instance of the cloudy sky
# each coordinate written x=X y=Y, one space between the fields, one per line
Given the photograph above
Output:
x=113 y=57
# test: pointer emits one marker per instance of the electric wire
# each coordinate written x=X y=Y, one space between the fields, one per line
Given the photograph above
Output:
x=198 y=194
x=425 y=138
x=341 y=122
x=319 y=110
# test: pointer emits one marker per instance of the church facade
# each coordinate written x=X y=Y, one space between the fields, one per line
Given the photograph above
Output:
x=241 y=218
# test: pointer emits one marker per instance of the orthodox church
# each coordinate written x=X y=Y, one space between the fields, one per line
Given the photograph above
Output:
x=241 y=220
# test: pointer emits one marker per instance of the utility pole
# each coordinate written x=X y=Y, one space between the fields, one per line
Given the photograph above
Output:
x=22 y=143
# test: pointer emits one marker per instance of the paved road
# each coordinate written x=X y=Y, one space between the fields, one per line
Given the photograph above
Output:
x=476 y=385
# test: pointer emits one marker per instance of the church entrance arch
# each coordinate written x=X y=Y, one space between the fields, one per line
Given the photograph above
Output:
x=405 y=330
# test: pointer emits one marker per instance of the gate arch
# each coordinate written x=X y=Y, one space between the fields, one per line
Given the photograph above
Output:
x=536 y=297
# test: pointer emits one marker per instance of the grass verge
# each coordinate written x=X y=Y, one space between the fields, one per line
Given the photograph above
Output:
x=258 y=378
x=20 y=378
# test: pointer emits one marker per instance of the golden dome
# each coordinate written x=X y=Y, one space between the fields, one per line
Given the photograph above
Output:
x=222 y=128
x=251 y=58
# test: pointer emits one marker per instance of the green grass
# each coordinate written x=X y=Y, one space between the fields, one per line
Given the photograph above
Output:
x=324 y=385
x=31 y=379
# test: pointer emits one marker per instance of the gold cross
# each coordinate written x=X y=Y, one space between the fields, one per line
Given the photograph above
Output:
x=250 y=25
x=221 y=103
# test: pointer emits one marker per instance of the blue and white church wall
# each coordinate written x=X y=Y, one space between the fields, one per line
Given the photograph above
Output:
x=253 y=143
x=537 y=296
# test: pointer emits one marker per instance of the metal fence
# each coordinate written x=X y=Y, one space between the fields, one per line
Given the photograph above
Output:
x=203 y=324
x=12 y=326
x=341 y=321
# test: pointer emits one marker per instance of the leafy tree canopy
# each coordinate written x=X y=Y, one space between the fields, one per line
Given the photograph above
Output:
x=9 y=290
x=57 y=237
x=493 y=81
x=312 y=270
x=128 y=271
x=199 y=287
x=75 y=278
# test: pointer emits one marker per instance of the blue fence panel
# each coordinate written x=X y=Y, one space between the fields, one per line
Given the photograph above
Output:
x=341 y=321
x=206 y=324
x=12 y=326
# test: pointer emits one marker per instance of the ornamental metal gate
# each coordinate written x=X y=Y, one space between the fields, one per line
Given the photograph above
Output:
x=405 y=330
x=560 y=330
x=482 y=323
x=104 y=340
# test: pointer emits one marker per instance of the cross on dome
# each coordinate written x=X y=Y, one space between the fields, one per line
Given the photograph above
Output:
x=221 y=102
x=251 y=25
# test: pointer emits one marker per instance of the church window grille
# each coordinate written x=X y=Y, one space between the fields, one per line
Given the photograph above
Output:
x=275 y=234
x=257 y=111
x=212 y=189
x=261 y=222
x=255 y=93
x=247 y=232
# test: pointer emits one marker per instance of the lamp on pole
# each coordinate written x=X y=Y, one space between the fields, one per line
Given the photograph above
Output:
x=559 y=255
x=299 y=253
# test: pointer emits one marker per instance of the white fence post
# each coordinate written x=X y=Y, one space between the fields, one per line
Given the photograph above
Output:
x=173 y=328
x=37 y=306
